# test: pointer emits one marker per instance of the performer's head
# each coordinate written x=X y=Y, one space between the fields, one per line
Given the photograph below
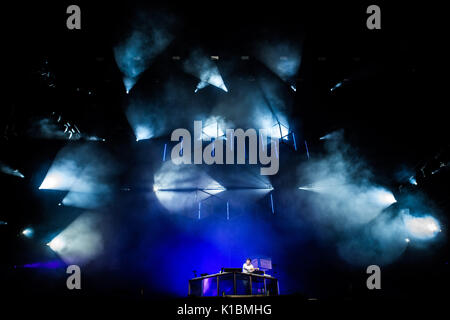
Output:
x=248 y=261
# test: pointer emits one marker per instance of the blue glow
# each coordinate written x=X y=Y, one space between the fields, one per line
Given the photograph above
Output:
x=295 y=143
x=137 y=51
x=28 y=232
x=128 y=83
x=211 y=77
x=81 y=171
x=338 y=85
x=383 y=197
x=200 y=66
x=282 y=57
x=143 y=132
x=271 y=203
x=8 y=170
x=59 y=178
x=307 y=150
x=164 y=153
x=145 y=120
x=412 y=180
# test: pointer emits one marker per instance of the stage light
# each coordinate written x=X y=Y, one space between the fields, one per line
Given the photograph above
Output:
x=155 y=188
x=51 y=182
x=407 y=240
x=213 y=128
x=128 y=83
x=412 y=180
x=134 y=55
x=283 y=58
x=311 y=188
x=213 y=189
x=384 y=197
x=28 y=232
x=338 y=85
x=280 y=131
x=63 y=173
x=425 y=227
x=81 y=241
x=143 y=133
x=209 y=77
x=216 y=80
x=205 y=69
x=275 y=126
x=8 y=170
x=4 y=223
x=338 y=135
x=56 y=244
x=81 y=170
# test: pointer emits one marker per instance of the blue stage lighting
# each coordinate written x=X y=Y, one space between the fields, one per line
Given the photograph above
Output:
x=28 y=232
x=206 y=70
x=8 y=170
x=138 y=50
x=412 y=180
x=282 y=57
x=143 y=133
x=338 y=85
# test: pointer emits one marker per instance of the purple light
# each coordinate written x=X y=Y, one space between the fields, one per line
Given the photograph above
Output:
x=44 y=265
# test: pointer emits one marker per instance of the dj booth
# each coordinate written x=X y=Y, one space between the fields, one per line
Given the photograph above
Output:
x=233 y=283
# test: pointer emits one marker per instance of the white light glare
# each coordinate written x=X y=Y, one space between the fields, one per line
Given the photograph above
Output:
x=56 y=244
x=421 y=227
